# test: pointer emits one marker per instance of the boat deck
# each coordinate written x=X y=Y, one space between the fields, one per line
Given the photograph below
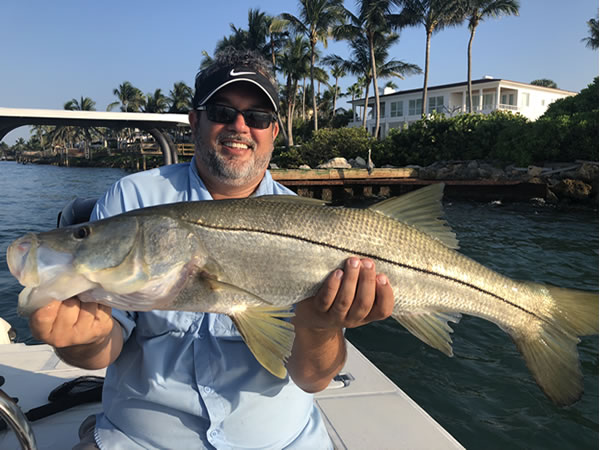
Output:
x=365 y=411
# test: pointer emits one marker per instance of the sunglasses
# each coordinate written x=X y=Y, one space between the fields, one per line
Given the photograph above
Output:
x=227 y=114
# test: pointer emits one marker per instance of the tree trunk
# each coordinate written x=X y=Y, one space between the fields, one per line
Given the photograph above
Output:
x=374 y=72
x=364 y=124
x=335 y=96
x=469 y=93
x=303 y=98
x=426 y=76
x=312 y=85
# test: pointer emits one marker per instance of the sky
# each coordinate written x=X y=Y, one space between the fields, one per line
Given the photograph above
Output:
x=53 y=51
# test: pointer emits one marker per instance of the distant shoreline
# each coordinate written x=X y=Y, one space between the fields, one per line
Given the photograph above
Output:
x=573 y=183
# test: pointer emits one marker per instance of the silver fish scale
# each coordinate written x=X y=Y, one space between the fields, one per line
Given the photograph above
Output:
x=258 y=240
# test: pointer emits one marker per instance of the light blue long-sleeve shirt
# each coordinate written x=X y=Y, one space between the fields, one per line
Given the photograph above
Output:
x=187 y=380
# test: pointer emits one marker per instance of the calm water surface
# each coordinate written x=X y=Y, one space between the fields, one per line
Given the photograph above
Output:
x=484 y=396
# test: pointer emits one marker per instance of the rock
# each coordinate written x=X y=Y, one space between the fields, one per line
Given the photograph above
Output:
x=335 y=163
x=588 y=172
x=360 y=162
x=572 y=189
x=534 y=171
x=473 y=165
x=273 y=166
x=304 y=167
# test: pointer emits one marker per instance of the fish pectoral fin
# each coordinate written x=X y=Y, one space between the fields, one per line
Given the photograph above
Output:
x=431 y=327
x=268 y=335
x=217 y=285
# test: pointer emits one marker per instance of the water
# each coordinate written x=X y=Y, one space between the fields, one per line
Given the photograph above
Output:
x=484 y=396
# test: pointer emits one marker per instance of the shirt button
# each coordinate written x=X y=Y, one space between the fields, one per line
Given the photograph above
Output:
x=207 y=390
x=214 y=433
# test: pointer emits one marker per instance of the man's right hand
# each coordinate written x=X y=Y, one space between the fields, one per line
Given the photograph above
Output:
x=84 y=334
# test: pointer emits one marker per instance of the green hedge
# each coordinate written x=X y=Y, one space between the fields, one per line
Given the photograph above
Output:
x=566 y=132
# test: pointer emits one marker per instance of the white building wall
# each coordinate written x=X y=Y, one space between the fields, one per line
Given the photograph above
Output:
x=489 y=96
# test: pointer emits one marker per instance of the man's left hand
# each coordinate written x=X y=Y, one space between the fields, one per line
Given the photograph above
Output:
x=348 y=298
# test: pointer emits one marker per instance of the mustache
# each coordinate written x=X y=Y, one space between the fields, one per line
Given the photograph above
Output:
x=236 y=137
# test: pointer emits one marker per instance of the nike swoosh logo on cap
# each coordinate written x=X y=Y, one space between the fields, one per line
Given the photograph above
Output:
x=233 y=73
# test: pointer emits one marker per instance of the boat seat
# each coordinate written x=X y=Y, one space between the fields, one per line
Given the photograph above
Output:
x=76 y=211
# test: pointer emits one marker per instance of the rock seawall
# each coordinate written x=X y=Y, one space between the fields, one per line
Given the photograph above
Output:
x=575 y=182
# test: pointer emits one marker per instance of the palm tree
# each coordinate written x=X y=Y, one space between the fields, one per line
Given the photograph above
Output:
x=434 y=15
x=591 y=41
x=84 y=104
x=155 y=102
x=42 y=133
x=545 y=83
x=78 y=134
x=338 y=72
x=475 y=12
x=265 y=35
x=375 y=17
x=295 y=64
x=316 y=20
x=360 y=63
x=181 y=98
x=130 y=98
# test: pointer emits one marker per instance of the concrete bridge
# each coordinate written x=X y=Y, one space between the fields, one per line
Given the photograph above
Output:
x=12 y=118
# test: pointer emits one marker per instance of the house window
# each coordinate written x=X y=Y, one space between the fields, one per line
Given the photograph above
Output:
x=414 y=107
x=475 y=102
x=488 y=101
x=435 y=104
x=524 y=99
x=397 y=109
x=508 y=99
x=382 y=109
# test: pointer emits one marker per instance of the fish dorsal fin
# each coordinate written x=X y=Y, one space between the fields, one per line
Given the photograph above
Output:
x=293 y=199
x=421 y=209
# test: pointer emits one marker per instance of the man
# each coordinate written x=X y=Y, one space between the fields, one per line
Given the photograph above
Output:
x=187 y=380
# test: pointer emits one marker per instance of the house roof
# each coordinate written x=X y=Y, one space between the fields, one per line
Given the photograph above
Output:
x=464 y=83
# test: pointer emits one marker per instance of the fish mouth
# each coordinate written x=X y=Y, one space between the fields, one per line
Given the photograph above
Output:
x=20 y=257
x=33 y=264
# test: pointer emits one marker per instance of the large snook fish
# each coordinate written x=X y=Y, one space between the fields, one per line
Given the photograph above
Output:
x=253 y=258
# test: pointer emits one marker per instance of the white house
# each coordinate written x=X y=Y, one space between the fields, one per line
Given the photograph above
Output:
x=489 y=94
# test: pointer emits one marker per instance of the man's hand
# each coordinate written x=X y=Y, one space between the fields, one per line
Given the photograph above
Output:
x=84 y=334
x=348 y=298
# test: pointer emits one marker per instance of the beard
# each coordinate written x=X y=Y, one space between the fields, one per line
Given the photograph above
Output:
x=231 y=170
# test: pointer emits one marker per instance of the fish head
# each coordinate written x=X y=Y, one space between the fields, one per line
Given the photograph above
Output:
x=61 y=263
x=131 y=261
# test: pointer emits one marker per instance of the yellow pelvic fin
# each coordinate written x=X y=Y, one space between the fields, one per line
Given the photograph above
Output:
x=269 y=337
x=421 y=209
x=431 y=327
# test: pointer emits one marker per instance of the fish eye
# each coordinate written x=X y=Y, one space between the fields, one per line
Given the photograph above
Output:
x=82 y=232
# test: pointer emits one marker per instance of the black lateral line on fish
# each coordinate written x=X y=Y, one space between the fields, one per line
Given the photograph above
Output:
x=334 y=247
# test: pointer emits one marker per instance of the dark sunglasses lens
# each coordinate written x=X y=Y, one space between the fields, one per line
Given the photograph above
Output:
x=227 y=114
x=221 y=114
x=258 y=119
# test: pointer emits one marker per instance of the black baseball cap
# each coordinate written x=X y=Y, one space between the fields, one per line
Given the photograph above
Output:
x=217 y=80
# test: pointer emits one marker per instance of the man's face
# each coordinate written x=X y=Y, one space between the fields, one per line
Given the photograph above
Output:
x=234 y=154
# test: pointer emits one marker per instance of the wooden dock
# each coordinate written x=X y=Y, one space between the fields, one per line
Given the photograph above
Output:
x=344 y=184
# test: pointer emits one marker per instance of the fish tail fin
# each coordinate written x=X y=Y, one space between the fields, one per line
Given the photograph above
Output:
x=268 y=335
x=550 y=351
